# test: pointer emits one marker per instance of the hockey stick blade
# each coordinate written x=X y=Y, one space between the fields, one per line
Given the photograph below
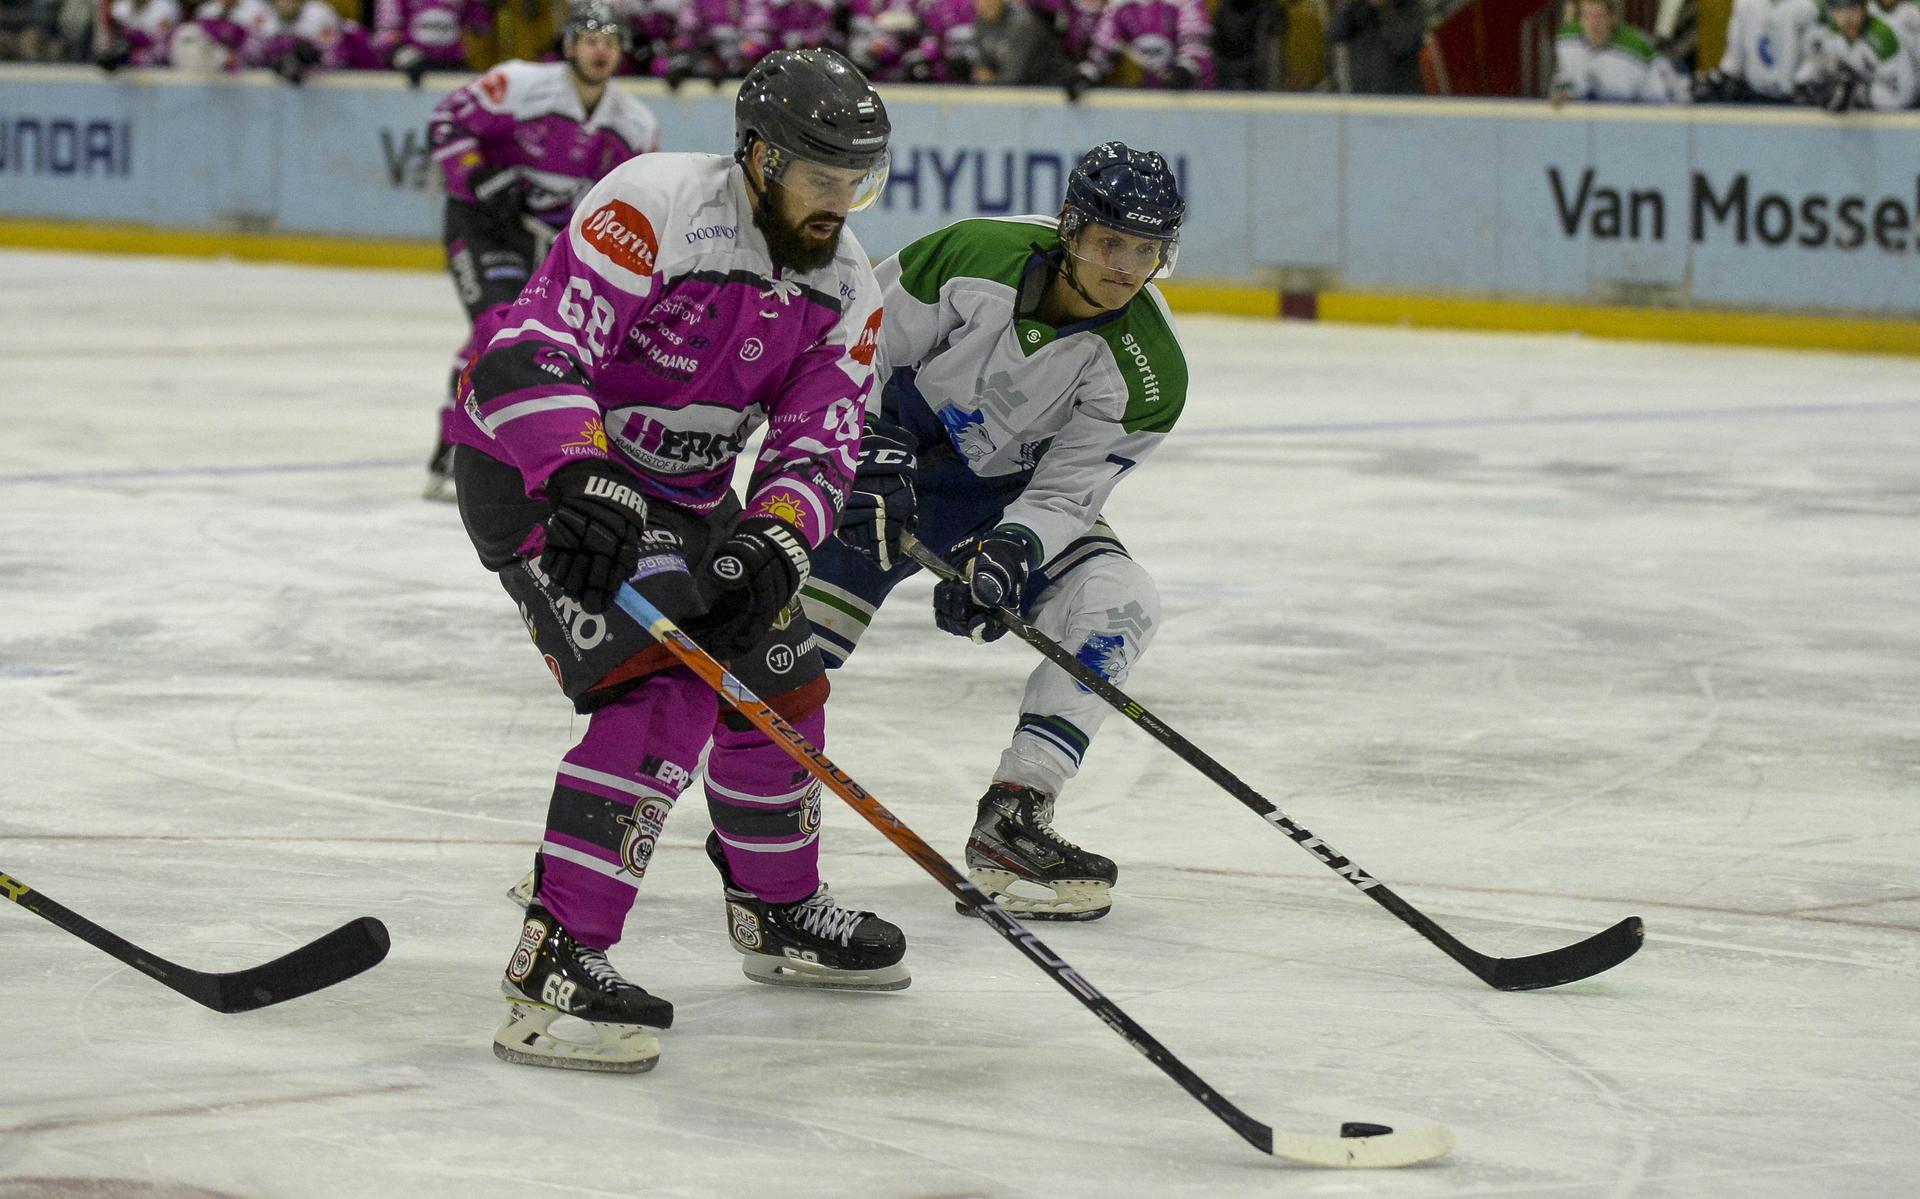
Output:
x=1385 y=1150
x=1402 y=1147
x=354 y=947
x=1571 y=963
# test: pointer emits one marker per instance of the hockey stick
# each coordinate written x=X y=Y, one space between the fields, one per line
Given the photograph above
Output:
x=346 y=951
x=1368 y=1146
x=1570 y=963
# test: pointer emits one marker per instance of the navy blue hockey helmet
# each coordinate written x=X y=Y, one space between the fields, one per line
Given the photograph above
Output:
x=1134 y=191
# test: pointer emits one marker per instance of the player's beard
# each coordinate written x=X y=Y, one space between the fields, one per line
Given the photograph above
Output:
x=788 y=243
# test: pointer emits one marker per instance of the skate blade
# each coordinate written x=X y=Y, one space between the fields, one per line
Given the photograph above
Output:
x=439 y=487
x=1027 y=899
x=526 y=1039
x=791 y=972
x=522 y=892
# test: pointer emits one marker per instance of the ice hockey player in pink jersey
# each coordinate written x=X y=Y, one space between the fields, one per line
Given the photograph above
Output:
x=706 y=42
x=314 y=37
x=694 y=300
x=518 y=147
x=1169 y=41
x=417 y=36
x=138 y=33
x=769 y=25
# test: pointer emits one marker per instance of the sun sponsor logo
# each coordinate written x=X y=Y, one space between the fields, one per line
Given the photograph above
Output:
x=781 y=505
x=623 y=233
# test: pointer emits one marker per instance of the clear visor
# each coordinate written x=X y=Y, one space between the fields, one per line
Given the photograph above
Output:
x=816 y=187
x=1111 y=252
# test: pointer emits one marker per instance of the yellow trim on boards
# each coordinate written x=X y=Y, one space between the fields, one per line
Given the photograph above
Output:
x=1880 y=335
x=1884 y=335
x=214 y=243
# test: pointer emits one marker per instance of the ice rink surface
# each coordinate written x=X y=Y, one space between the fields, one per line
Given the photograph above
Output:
x=1544 y=632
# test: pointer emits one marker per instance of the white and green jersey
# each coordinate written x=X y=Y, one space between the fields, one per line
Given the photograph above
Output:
x=1875 y=58
x=1904 y=16
x=1626 y=69
x=1765 y=39
x=1078 y=406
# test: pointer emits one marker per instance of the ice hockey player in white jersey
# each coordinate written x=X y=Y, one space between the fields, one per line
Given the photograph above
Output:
x=519 y=146
x=1033 y=367
x=1904 y=16
x=1601 y=57
x=1765 y=39
x=694 y=300
x=1854 y=60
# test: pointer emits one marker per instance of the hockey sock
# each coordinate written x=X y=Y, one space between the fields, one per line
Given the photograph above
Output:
x=767 y=811
x=611 y=797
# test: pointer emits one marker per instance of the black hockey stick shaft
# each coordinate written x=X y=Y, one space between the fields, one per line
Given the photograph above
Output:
x=1583 y=959
x=816 y=763
x=346 y=951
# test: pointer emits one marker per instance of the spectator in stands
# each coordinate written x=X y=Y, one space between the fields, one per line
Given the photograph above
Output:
x=1600 y=57
x=1013 y=47
x=1382 y=40
x=1852 y=60
x=1249 y=44
x=1156 y=43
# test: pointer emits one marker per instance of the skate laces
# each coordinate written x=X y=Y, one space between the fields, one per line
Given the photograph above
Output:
x=595 y=963
x=822 y=917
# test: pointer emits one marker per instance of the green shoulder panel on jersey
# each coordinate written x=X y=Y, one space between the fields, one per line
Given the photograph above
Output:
x=1634 y=41
x=979 y=249
x=1880 y=35
x=1147 y=352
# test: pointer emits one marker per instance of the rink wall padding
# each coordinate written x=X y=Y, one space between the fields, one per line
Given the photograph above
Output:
x=1466 y=212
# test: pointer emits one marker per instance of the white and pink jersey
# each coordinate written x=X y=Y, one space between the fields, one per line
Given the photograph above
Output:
x=659 y=334
x=527 y=116
x=245 y=28
x=148 y=27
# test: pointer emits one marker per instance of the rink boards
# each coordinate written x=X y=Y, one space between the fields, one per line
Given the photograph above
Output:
x=1464 y=202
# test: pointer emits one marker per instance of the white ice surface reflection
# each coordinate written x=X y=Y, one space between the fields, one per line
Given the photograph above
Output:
x=1544 y=632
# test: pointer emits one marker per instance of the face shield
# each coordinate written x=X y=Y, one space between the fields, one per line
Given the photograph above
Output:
x=1104 y=250
x=817 y=187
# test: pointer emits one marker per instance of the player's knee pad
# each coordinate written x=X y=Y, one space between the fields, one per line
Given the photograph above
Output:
x=1106 y=611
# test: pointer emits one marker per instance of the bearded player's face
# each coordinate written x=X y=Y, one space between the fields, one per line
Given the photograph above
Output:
x=802 y=213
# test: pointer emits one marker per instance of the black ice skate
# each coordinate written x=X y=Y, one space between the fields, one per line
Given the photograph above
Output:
x=552 y=977
x=1024 y=866
x=812 y=943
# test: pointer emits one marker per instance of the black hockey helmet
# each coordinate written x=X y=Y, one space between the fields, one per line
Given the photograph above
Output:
x=595 y=16
x=817 y=106
x=1134 y=191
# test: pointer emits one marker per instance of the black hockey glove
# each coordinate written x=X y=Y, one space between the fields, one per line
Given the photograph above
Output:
x=119 y=53
x=993 y=572
x=751 y=578
x=409 y=61
x=593 y=532
x=499 y=192
x=1718 y=87
x=294 y=64
x=885 y=501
